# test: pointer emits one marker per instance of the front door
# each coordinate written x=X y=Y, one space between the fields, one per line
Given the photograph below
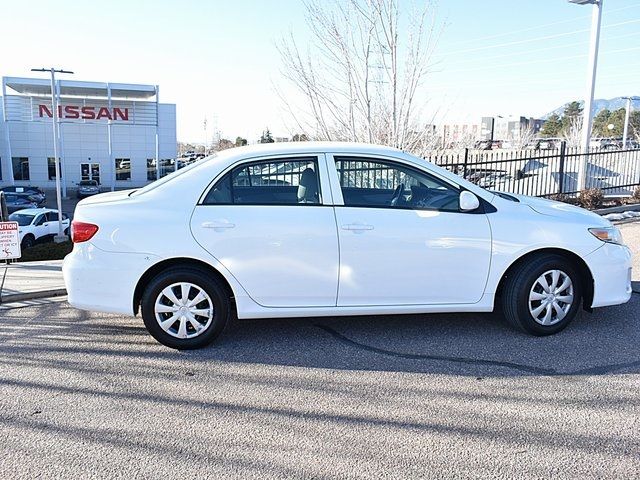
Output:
x=90 y=171
x=266 y=223
x=403 y=240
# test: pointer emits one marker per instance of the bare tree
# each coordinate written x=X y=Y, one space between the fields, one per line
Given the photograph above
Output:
x=524 y=137
x=360 y=78
x=572 y=133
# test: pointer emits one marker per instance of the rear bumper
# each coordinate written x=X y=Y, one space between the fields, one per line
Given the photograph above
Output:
x=611 y=269
x=103 y=281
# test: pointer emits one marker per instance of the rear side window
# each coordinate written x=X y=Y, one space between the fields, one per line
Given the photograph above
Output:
x=291 y=181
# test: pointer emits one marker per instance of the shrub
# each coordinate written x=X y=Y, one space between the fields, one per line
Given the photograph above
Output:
x=636 y=194
x=46 y=251
x=560 y=197
x=591 y=198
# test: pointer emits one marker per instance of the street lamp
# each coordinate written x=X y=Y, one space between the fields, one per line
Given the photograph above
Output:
x=626 y=120
x=61 y=237
x=591 y=83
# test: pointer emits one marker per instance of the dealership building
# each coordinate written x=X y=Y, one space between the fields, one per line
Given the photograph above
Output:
x=117 y=134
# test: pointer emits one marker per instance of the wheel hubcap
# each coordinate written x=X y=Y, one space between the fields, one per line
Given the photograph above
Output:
x=551 y=297
x=184 y=310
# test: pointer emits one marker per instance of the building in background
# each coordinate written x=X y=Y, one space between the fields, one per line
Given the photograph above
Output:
x=117 y=134
x=489 y=129
x=513 y=128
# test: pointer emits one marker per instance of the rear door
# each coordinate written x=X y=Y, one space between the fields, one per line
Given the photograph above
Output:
x=266 y=221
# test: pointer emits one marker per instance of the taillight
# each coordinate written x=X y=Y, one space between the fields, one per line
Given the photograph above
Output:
x=81 y=231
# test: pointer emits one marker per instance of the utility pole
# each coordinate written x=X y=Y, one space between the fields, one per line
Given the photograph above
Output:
x=61 y=237
x=587 y=114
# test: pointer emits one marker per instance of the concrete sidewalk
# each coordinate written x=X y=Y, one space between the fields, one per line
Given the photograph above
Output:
x=30 y=280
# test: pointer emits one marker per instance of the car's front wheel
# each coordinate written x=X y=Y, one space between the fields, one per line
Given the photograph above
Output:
x=542 y=295
x=185 y=308
x=28 y=241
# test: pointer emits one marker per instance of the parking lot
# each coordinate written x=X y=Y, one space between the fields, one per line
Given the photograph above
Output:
x=85 y=395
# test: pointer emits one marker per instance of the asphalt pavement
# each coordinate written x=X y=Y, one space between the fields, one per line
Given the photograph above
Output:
x=87 y=395
x=423 y=396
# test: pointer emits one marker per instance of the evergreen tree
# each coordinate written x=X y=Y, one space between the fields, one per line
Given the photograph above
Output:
x=571 y=112
x=600 y=122
x=240 y=142
x=266 y=137
x=552 y=127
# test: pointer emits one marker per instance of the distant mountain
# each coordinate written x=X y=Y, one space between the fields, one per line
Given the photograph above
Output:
x=600 y=104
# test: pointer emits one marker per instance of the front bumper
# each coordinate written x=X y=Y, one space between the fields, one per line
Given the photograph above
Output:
x=103 y=281
x=610 y=266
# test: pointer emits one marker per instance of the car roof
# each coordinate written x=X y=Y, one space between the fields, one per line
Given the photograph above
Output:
x=308 y=147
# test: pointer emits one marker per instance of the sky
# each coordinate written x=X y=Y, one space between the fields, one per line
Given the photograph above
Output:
x=218 y=59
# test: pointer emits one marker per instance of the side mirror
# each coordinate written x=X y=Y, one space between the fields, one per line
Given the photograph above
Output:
x=468 y=201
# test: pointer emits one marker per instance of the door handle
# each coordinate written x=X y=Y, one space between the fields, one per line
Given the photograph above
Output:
x=218 y=225
x=357 y=227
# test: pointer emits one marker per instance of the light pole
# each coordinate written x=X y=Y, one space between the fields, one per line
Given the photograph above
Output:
x=205 y=136
x=626 y=120
x=61 y=237
x=591 y=83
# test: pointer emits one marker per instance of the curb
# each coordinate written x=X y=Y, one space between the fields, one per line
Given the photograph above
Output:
x=20 y=297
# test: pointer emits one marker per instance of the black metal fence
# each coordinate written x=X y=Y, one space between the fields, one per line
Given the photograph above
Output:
x=546 y=173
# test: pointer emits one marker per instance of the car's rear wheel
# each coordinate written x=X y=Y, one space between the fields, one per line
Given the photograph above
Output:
x=28 y=241
x=542 y=295
x=185 y=308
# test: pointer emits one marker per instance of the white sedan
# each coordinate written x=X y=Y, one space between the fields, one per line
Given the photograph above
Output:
x=37 y=224
x=326 y=229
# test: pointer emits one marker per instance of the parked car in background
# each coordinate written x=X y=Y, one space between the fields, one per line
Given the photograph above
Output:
x=326 y=229
x=38 y=224
x=17 y=202
x=34 y=194
x=86 y=188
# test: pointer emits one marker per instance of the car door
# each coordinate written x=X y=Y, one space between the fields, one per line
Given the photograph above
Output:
x=52 y=223
x=403 y=240
x=40 y=227
x=266 y=222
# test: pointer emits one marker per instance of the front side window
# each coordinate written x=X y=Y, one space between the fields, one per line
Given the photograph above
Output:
x=20 y=168
x=292 y=181
x=123 y=169
x=382 y=184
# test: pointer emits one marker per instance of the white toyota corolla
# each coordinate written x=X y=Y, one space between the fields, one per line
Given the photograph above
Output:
x=325 y=229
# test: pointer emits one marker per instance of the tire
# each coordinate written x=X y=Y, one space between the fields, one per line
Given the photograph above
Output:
x=28 y=241
x=182 y=333
x=524 y=295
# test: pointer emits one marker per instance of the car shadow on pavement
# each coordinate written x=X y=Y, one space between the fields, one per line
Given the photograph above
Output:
x=459 y=344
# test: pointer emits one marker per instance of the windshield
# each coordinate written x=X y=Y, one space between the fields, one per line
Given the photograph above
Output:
x=88 y=183
x=22 y=219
